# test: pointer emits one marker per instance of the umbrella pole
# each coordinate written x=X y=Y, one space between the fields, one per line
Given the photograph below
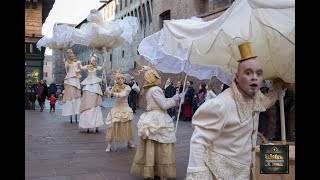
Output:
x=104 y=76
x=282 y=119
x=178 y=116
x=183 y=89
x=63 y=59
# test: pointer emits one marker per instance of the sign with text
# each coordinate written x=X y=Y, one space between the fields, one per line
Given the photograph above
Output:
x=274 y=159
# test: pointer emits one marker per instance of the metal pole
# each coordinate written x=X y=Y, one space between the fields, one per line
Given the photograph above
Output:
x=282 y=119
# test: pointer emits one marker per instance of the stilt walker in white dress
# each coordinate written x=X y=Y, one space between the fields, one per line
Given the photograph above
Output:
x=72 y=92
x=90 y=108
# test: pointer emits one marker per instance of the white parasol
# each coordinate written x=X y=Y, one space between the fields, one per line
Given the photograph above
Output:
x=213 y=45
x=60 y=39
x=105 y=35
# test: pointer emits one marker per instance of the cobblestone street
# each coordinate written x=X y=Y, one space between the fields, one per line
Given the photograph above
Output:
x=58 y=150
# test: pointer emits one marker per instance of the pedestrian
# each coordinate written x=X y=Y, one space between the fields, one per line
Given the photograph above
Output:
x=223 y=143
x=188 y=101
x=53 y=89
x=132 y=99
x=169 y=92
x=119 y=119
x=52 y=100
x=32 y=99
x=155 y=155
x=34 y=86
x=90 y=108
x=42 y=92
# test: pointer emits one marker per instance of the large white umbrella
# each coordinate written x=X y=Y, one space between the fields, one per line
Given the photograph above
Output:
x=60 y=39
x=213 y=45
x=105 y=35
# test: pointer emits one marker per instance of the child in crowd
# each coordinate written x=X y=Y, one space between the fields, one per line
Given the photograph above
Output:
x=52 y=100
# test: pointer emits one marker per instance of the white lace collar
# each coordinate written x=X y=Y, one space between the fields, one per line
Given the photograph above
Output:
x=243 y=106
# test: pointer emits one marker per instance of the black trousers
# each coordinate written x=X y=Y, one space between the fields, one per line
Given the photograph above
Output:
x=52 y=106
x=132 y=101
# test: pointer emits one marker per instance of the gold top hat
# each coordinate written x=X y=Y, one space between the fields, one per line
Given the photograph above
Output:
x=245 y=52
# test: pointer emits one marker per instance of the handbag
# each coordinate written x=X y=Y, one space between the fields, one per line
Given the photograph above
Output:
x=136 y=88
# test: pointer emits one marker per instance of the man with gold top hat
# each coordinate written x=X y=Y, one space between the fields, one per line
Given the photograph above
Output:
x=119 y=120
x=155 y=155
x=223 y=143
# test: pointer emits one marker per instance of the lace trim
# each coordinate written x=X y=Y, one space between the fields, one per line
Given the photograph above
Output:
x=244 y=110
x=224 y=168
x=202 y=175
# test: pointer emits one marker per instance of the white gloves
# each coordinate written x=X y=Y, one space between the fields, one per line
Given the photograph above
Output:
x=176 y=97
x=182 y=95
x=179 y=96
x=107 y=91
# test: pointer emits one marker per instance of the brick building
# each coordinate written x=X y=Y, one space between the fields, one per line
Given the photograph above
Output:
x=36 y=11
x=151 y=14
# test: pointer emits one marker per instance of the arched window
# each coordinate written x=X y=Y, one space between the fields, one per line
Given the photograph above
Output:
x=144 y=13
x=149 y=12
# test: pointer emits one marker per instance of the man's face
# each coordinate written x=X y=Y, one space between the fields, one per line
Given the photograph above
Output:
x=178 y=84
x=188 y=83
x=168 y=82
x=249 y=77
x=132 y=80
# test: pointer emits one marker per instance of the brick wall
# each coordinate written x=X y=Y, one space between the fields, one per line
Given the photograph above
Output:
x=33 y=19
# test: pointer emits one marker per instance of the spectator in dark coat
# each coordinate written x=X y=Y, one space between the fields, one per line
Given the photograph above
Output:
x=53 y=89
x=188 y=101
x=169 y=92
x=132 y=98
x=42 y=93
x=32 y=99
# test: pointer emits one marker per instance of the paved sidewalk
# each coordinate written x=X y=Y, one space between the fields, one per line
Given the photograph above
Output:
x=58 y=150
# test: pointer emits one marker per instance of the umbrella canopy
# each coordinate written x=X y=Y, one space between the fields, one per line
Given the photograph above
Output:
x=60 y=39
x=211 y=48
x=99 y=34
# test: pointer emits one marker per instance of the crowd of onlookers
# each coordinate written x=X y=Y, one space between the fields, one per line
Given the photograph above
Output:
x=40 y=91
x=194 y=97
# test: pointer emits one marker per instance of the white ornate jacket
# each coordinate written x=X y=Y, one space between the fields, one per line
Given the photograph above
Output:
x=223 y=143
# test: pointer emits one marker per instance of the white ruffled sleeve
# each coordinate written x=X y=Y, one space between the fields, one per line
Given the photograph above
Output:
x=162 y=101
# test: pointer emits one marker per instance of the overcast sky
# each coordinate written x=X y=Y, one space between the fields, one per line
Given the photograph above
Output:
x=68 y=11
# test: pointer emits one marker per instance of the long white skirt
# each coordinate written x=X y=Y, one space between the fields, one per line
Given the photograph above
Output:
x=91 y=118
x=71 y=107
